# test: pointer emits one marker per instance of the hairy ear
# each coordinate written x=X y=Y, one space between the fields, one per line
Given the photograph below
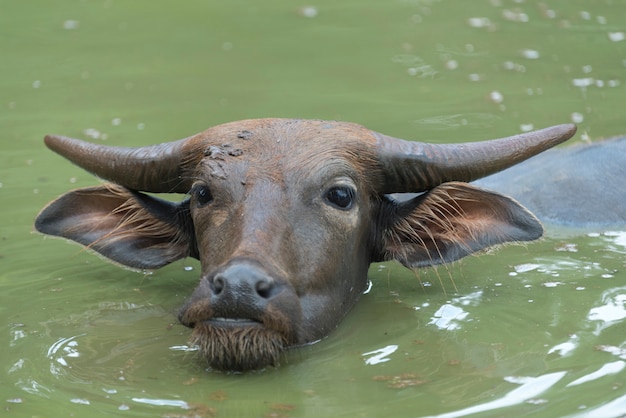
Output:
x=451 y=221
x=128 y=227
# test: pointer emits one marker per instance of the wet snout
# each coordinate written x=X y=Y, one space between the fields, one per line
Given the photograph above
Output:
x=239 y=293
x=242 y=290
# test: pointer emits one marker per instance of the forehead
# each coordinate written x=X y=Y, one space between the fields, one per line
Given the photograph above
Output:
x=281 y=146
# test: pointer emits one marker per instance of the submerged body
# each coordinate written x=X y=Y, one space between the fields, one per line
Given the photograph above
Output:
x=579 y=186
x=285 y=217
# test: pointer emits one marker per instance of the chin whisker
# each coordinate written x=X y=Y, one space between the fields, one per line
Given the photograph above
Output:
x=238 y=348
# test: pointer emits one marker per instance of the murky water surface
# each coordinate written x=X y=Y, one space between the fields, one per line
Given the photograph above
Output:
x=533 y=330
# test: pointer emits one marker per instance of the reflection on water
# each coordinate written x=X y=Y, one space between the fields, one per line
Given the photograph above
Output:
x=162 y=402
x=60 y=351
x=614 y=408
x=530 y=388
x=606 y=370
x=450 y=315
x=381 y=355
x=612 y=310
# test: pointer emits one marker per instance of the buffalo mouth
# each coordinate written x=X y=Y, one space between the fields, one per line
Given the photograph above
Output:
x=233 y=322
x=242 y=318
x=238 y=344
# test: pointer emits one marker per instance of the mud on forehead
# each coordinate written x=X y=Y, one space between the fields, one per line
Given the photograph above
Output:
x=279 y=147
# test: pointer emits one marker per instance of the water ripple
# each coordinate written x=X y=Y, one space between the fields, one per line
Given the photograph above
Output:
x=530 y=388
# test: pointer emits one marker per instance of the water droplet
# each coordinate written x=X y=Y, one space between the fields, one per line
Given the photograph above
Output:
x=577 y=117
x=452 y=65
x=309 y=11
x=583 y=82
x=70 y=24
x=515 y=16
x=496 y=96
x=530 y=54
x=92 y=133
x=552 y=284
x=479 y=22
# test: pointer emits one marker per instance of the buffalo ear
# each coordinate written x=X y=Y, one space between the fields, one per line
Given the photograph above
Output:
x=451 y=221
x=128 y=227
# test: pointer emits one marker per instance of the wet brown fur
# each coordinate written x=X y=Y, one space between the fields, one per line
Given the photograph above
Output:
x=238 y=348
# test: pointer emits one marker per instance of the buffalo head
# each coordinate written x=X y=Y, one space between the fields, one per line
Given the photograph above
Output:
x=285 y=217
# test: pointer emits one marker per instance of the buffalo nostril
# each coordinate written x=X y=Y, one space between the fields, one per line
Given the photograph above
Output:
x=264 y=288
x=218 y=285
x=243 y=282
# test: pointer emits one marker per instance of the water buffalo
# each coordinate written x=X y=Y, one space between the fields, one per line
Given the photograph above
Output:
x=285 y=217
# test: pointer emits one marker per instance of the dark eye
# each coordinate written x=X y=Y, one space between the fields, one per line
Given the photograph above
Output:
x=202 y=194
x=341 y=197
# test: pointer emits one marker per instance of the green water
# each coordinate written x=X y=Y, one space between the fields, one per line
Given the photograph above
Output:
x=536 y=330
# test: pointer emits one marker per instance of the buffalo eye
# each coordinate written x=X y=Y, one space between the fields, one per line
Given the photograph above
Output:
x=341 y=197
x=202 y=195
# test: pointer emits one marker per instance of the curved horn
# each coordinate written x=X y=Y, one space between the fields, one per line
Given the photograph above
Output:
x=157 y=168
x=416 y=166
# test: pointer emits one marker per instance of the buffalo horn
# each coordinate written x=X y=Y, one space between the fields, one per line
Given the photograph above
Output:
x=415 y=166
x=157 y=168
